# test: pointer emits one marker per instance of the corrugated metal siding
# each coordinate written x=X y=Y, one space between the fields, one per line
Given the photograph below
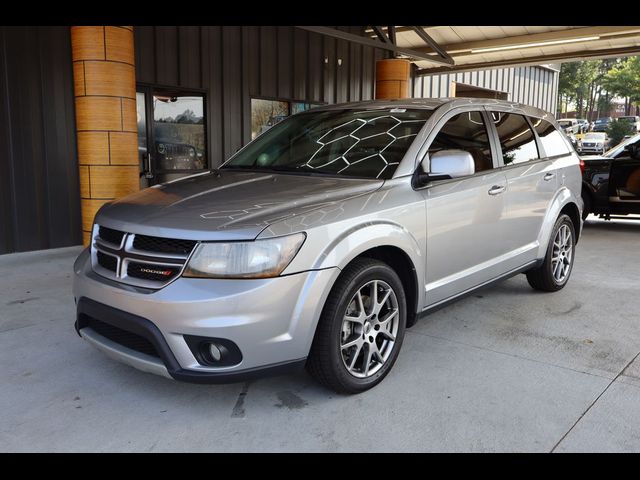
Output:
x=534 y=86
x=236 y=63
x=39 y=191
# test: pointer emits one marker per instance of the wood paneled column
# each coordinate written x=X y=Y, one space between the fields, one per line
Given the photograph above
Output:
x=105 y=97
x=392 y=78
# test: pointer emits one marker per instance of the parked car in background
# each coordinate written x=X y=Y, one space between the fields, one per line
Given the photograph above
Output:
x=321 y=240
x=569 y=125
x=592 y=142
x=611 y=182
x=572 y=138
x=584 y=125
x=633 y=120
x=601 y=124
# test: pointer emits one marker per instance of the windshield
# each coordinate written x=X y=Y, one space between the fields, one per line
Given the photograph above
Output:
x=602 y=120
x=594 y=136
x=631 y=119
x=357 y=143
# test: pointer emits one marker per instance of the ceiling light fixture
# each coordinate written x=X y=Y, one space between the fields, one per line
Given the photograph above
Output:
x=535 y=44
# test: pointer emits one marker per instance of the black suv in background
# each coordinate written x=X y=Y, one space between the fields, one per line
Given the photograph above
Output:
x=611 y=182
x=601 y=124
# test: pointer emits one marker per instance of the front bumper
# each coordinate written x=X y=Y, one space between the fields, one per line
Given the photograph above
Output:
x=272 y=321
x=590 y=150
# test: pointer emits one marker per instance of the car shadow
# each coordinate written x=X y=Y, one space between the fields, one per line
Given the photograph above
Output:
x=632 y=224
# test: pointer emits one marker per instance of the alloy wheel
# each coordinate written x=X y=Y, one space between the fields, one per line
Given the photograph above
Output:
x=369 y=329
x=562 y=254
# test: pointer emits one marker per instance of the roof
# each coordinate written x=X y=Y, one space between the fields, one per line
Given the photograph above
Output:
x=473 y=47
x=433 y=103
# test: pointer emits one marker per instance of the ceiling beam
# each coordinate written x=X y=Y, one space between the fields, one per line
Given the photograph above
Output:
x=537 y=60
x=421 y=32
x=454 y=49
x=398 y=29
x=391 y=32
x=350 y=37
x=381 y=35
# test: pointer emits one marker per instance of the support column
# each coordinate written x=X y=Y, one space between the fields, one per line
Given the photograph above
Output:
x=106 y=124
x=392 y=78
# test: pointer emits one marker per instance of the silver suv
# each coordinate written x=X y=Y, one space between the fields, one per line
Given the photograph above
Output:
x=319 y=242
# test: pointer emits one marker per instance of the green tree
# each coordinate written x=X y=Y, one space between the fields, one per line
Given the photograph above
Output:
x=567 y=85
x=617 y=130
x=623 y=80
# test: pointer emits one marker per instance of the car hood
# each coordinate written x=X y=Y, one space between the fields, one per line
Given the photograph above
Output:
x=230 y=206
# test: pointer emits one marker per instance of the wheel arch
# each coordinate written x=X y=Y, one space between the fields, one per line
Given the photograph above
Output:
x=401 y=263
x=564 y=202
x=571 y=209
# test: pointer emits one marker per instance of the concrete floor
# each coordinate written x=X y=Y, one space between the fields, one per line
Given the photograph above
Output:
x=507 y=369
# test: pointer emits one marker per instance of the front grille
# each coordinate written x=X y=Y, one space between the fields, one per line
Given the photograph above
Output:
x=157 y=273
x=588 y=144
x=123 y=337
x=163 y=245
x=110 y=235
x=107 y=261
x=140 y=260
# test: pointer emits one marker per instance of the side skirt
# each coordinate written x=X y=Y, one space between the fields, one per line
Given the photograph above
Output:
x=448 y=301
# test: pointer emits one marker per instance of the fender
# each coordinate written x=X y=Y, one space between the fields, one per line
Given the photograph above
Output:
x=563 y=197
x=362 y=237
x=335 y=247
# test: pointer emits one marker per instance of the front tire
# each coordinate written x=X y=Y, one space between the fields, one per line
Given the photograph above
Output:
x=557 y=265
x=361 y=328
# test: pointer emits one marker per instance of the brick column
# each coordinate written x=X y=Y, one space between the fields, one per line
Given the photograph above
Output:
x=392 y=78
x=105 y=97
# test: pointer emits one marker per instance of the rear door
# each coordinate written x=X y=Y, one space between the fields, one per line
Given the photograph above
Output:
x=531 y=185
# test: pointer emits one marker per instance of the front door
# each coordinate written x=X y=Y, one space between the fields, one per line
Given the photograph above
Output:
x=464 y=215
x=624 y=184
x=172 y=140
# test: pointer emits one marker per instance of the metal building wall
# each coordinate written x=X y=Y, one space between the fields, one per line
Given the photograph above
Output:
x=39 y=190
x=536 y=86
x=236 y=63
x=39 y=187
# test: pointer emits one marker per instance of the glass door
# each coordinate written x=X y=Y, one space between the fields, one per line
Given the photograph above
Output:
x=174 y=143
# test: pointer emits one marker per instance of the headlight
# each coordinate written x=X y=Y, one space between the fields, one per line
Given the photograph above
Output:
x=256 y=259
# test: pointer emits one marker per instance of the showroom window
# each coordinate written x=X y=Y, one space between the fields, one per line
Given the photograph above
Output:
x=516 y=138
x=174 y=142
x=267 y=113
x=466 y=131
x=551 y=139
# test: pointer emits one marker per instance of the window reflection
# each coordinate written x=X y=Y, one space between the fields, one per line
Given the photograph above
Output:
x=516 y=138
x=267 y=113
x=179 y=132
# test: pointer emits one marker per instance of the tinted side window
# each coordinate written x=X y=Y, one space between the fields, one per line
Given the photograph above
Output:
x=465 y=131
x=551 y=139
x=516 y=138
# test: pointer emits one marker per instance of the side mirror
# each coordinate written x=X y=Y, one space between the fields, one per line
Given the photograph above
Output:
x=446 y=164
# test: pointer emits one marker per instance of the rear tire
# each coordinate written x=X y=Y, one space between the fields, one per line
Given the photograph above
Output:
x=557 y=265
x=361 y=328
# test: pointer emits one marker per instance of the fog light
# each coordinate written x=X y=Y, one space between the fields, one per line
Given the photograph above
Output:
x=215 y=352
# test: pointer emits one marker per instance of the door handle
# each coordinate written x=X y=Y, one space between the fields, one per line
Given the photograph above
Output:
x=497 y=189
x=549 y=176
